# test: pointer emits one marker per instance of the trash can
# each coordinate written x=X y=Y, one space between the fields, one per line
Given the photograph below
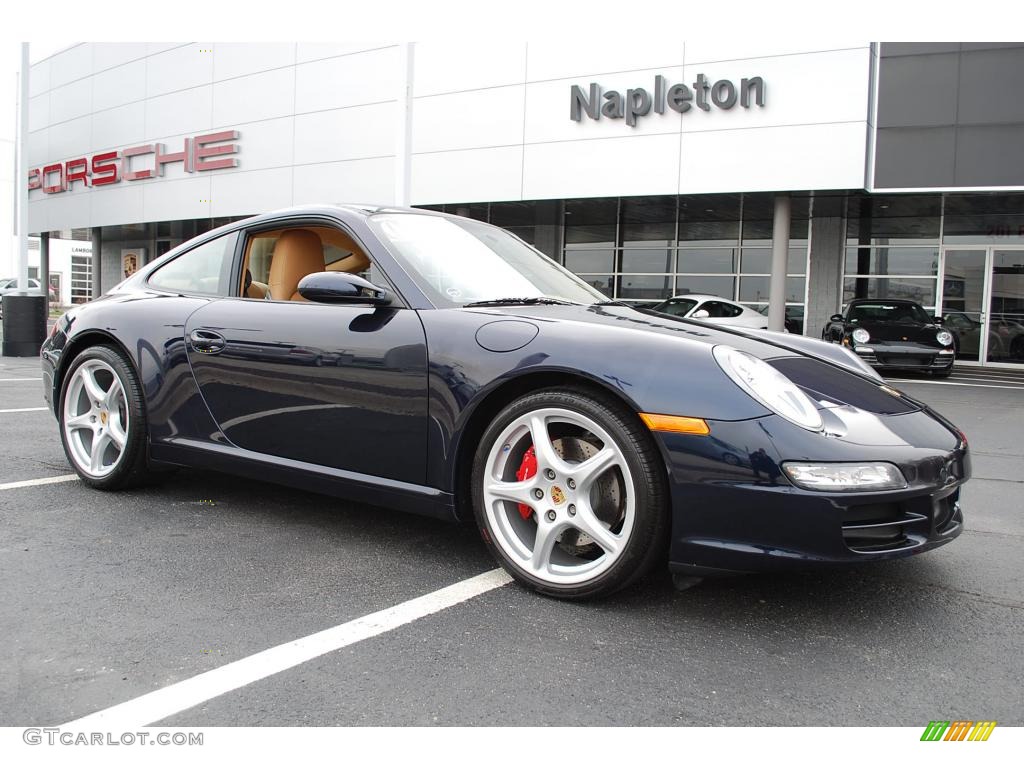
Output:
x=24 y=324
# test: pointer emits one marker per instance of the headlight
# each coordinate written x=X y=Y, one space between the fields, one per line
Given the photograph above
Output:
x=861 y=336
x=945 y=338
x=874 y=476
x=769 y=387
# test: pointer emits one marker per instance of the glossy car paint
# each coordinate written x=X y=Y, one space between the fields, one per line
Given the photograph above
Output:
x=386 y=405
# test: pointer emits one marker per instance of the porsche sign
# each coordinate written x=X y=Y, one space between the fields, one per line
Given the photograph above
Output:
x=206 y=152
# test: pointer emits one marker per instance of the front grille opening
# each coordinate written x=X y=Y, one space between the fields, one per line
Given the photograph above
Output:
x=880 y=527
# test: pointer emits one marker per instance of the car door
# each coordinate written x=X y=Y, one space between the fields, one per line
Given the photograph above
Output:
x=334 y=385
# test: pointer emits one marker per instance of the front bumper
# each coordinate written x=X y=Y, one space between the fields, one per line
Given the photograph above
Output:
x=735 y=511
x=912 y=357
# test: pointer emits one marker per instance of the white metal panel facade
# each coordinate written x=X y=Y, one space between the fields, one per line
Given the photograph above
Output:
x=489 y=122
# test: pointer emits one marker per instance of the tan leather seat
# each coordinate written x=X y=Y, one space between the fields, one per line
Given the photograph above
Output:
x=297 y=253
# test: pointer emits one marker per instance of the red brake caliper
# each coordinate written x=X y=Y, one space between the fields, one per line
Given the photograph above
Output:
x=526 y=470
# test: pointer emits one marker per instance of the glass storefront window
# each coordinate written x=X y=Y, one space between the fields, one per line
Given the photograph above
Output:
x=1006 y=331
x=755 y=289
x=604 y=283
x=591 y=222
x=878 y=219
x=590 y=260
x=892 y=261
x=647 y=260
x=645 y=286
x=709 y=219
x=649 y=221
x=982 y=228
x=921 y=290
x=706 y=260
x=713 y=284
x=759 y=260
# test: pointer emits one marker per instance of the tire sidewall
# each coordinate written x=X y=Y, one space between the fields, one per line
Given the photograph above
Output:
x=135 y=448
x=649 y=532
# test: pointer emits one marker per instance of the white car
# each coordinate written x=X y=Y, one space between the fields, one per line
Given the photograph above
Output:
x=712 y=309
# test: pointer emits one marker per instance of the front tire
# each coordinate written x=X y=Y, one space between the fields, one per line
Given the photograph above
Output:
x=103 y=421
x=569 y=494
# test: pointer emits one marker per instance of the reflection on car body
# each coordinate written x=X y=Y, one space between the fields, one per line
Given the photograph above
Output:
x=443 y=366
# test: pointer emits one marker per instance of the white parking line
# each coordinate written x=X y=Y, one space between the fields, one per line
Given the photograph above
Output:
x=39 y=481
x=22 y=410
x=37 y=378
x=162 y=703
x=953 y=384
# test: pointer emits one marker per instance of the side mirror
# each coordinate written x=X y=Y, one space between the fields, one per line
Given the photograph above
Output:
x=341 y=288
x=938 y=320
x=700 y=314
x=836 y=318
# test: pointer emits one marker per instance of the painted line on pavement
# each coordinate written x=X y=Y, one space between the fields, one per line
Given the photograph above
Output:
x=37 y=378
x=22 y=410
x=954 y=384
x=162 y=703
x=39 y=481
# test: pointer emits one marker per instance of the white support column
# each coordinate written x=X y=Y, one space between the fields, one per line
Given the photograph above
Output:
x=21 y=172
x=403 y=149
x=780 y=256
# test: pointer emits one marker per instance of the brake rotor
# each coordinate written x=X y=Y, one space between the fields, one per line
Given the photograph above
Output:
x=606 y=497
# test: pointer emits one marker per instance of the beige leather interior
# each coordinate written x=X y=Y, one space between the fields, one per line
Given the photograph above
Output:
x=297 y=253
x=338 y=252
x=256 y=290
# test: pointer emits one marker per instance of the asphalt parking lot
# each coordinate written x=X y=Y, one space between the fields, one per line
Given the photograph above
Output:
x=106 y=597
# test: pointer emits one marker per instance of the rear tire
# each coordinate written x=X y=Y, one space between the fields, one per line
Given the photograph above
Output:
x=103 y=420
x=592 y=518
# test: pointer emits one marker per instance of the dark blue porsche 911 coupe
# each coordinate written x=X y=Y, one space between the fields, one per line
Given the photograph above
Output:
x=442 y=366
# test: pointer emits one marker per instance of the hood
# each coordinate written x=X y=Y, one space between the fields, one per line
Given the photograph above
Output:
x=762 y=344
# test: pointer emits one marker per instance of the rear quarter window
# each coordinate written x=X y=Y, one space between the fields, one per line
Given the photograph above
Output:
x=205 y=269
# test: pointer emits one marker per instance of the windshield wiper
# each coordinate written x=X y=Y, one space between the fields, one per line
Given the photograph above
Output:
x=513 y=301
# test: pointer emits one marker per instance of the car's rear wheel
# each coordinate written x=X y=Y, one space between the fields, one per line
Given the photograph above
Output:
x=569 y=493
x=103 y=420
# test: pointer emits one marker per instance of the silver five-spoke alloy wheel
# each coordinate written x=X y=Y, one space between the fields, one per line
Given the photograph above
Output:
x=570 y=520
x=95 y=418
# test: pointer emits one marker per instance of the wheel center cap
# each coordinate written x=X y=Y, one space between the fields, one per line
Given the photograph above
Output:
x=557 y=495
x=103 y=418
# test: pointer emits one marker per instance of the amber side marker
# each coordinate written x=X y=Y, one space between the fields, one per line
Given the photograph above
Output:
x=687 y=425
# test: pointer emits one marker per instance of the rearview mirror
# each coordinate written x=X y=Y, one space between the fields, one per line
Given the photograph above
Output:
x=341 y=288
x=700 y=314
x=836 y=318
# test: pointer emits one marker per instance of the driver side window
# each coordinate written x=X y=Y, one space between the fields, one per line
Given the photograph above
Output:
x=275 y=261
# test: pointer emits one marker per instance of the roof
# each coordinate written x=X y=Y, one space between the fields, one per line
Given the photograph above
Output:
x=700 y=297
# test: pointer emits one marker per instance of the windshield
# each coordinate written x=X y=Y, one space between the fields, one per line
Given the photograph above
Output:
x=889 y=313
x=677 y=307
x=461 y=261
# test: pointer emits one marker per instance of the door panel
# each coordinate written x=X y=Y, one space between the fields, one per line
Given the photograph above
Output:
x=338 y=386
x=963 y=300
x=1006 y=309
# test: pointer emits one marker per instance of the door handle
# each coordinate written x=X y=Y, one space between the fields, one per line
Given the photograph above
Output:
x=207 y=342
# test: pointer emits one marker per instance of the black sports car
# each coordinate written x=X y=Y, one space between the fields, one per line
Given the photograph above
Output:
x=894 y=334
x=440 y=365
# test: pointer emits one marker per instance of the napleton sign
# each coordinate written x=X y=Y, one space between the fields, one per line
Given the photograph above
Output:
x=637 y=102
x=206 y=152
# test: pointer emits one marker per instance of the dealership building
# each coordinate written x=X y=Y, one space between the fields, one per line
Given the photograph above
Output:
x=892 y=170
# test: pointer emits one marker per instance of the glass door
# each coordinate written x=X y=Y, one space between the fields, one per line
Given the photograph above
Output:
x=1006 y=307
x=964 y=297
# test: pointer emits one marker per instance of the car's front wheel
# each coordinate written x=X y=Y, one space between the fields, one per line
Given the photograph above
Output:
x=569 y=493
x=103 y=420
